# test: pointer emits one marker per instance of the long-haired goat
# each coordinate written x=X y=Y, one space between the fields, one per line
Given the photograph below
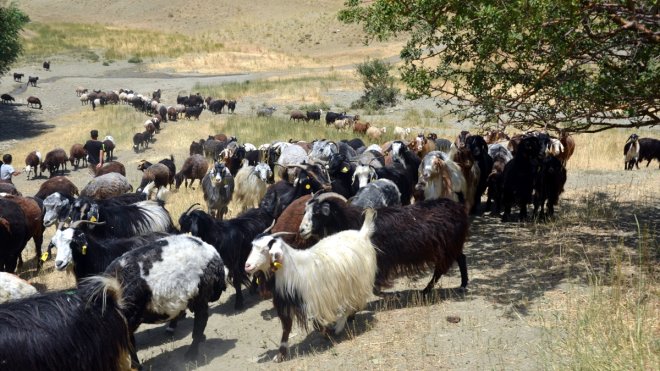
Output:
x=327 y=282
x=13 y=287
x=218 y=187
x=251 y=183
x=440 y=177
x=519 y=175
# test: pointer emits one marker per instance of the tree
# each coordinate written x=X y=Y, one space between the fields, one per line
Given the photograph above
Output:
x=578 y=65
x=379 y=87
x=12 y=21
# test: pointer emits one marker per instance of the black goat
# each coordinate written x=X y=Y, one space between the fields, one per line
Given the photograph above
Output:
x=519 y=175
x=649 y=150
x=434 y=241
x=479 y=149
x=548 y=186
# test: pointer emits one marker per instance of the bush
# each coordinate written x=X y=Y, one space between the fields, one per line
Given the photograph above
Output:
x=135 y=59
x=379 y=90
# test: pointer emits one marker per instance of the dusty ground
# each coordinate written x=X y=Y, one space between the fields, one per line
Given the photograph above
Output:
x=517 y=273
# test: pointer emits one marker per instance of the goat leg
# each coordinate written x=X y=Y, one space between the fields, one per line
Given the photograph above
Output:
x=201 y=311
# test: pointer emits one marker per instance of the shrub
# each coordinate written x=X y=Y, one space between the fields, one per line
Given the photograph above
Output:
x=379 y=90
x=135 y=59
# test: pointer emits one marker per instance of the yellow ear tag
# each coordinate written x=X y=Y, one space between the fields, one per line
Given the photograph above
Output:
x=344 y=169
x=84 y=250
x=92 y=219
x=307 y=186
x=276 y=266
x=44 y=256
x=258 y=281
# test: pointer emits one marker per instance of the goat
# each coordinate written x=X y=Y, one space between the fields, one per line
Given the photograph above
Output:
x=649 y=149
x=500 y=155
x=110 y=167
x=33 y=211
x=13 y=234
x=289 y=221
x=519 y=175
x=55 y=160
x=168 y=162
x=478 y=148
x=76 y=154
x=109 y=145
x=18 y=76
x=231 y=106
x=32 y=80
x=13 y=288
x=67 y=330
x=375 y=133
x=141 y=140
x=59 y=184
x=330 y=117
x=32 y=162
x=548 y=185
x=440 y=177
x=314 y=115
x=377 y=194
x=472 y=174
x=106 y=186
x=401 y=133
x=434 y=241
x=569 y=147
x=7 y=99
x=328 y=282
x=361 y=127
x=218 y=187
x=46 y=65
x=265 y=111
x=251 y=183
x=33 y=101
x=194 y=167
x=196 y=148
x=297 y=115
x=231 y=238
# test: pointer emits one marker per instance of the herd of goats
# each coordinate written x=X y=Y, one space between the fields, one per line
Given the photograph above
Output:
x=320 y=229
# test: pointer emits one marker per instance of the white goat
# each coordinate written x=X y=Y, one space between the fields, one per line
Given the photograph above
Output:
x=251 y=183
x=13 y=288
x=441 y=177
x=401 y=133
x=375 y=133
x=327 y=282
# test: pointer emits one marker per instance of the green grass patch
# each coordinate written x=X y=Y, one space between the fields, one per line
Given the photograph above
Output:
x=286 y=86
x=86 y=40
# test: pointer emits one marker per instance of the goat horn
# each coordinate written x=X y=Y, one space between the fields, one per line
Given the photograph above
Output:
x=269 y=228
x=279 y=234
x=190 y=209
x=77 y=223
x=324 y=196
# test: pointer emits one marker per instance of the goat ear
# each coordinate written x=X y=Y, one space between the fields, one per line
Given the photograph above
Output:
x=194 y=230
x=325 y=209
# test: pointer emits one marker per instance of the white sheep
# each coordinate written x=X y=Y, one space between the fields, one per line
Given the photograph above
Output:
x=13 y=288
x=375 y=133
x=327 y=282
x=401 y=133
x=251 y=183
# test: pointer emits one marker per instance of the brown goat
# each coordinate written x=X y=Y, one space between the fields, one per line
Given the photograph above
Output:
x=470 y=169
x=32 y=162
x=34 y=221
x=55 y=160
x=157 y=173
x=421 y=145
x=195 y=167
x=494 y=136
x=289 y=221
x=297 y=115
x=110 y=167
x=59 y=184
x=33 y=101
x=569 y=147
x=361 y=127
x=77 y=153
x=9 y=188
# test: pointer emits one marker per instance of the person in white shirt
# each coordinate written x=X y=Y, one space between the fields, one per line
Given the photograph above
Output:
x=6 y=170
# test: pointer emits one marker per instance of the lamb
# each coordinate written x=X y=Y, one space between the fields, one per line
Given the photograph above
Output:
x=194 y=167
x=434 y=241
x=375 y=133
x=57 y=184
x=106 y=186
x=218 y=187
x=32 y=162
x=55 y=326
x=440 y=177
x=184 y=272
x=231 y=238
x=251 y=183
x=55 y=160
x=377 y=194
x=76 y=154
x=328 y=282
x=13 y=288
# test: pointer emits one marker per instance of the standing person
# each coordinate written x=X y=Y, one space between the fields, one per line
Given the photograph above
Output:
x=6 y=170
x=95 y=149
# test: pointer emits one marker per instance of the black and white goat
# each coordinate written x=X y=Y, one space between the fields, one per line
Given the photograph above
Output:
x=434 y=241
x=327 y=282
x=377 y=194
x=218 y=187
x=66 y=330
x=631 y=152
x=163 y=278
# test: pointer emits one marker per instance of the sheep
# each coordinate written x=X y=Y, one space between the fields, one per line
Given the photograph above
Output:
x=290 y=155
x=13 y=234
x=377 y=194
x=196 y=148
x=106 y=186
x=183 y=272
x=401 y=133
x=193 y=112
x=328 y=282
x=77 y=153
x=80 y=90
x=157 y=173
x=374 y=133
x=55 y=160
x=548 y=185
x=32 y=162
x=141 y=140
x=266 y=111
x=251 y=183
x=440 y=177
x=194 y=167
x=342 y=124
x=67 y=330
x=13 y=288
x=519 y=175
x=314 y=115
x=118 y=219
x=57 y=184
x=649 y=149
x=231 y=106
x=297 y=115
x=33 y=211
x=33 y=101
x=330 y=117
x=434 y=241
x=500 y=155
x=110 y=167
x=7 y=99
x=231 y=238
x=87 y=255
x=169 y=162
x=218 y=187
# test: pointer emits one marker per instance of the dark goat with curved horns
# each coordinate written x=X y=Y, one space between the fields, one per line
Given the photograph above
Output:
x=435 y=241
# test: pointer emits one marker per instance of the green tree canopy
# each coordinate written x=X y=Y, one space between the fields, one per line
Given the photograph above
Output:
x=12 y=21
x=379 y=87
x=580 y=65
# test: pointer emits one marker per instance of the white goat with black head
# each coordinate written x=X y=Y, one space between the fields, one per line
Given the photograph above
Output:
x=218 y=186
x=251 y=183
x=327 y=282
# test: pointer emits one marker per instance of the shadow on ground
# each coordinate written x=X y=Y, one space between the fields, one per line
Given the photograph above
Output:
x=19 y=122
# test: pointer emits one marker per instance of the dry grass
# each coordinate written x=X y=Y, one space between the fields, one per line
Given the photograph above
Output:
x=603 y=151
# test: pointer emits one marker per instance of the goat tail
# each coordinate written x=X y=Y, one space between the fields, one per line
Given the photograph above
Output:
x=369 y=225
x=102 y=288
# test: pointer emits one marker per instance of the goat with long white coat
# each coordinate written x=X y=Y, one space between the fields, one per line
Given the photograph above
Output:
x=327 y=282
x=251 y=183
x=441 y=177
